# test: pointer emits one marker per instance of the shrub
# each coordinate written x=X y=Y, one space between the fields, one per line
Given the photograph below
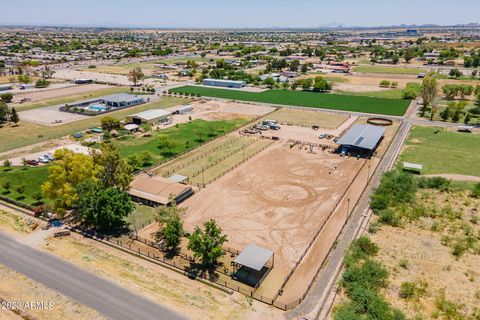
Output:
x=476 y=191
x=412 y=290
x=411 y=91
x=389 y=217
x=385 y=83
x=438 y=183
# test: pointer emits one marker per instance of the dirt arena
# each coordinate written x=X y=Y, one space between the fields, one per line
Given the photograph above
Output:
x=59 y=93
x=278 y=200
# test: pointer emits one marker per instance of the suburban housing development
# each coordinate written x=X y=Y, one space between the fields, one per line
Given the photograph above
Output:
x=239 y=172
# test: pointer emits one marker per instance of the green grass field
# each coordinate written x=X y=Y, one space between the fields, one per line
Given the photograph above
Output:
x=31 y=178
x=307 y=99
x=26 y=133
x=389 y=70
x=185 y=136
x=385 y=94
x=443 y=152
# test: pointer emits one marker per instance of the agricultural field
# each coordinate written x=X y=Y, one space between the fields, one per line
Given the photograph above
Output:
x=384 y=94
x=306 y=99
x=389 y=70
x=26 y=133
x=442 y=151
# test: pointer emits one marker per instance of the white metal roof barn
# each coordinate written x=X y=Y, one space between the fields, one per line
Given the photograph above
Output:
x=362 y=136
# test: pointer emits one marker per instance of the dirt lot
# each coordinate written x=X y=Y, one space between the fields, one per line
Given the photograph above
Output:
x=59 y=93
x=272 y=201
x=50 y=116
x=308 y=118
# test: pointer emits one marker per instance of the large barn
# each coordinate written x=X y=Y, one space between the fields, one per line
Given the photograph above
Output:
x=156 y=190
x=361 y=139
x=224 y=83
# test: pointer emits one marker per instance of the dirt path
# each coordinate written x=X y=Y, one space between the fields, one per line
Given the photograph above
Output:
x=455 y=177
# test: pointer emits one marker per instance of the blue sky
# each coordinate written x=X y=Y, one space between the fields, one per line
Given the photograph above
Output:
x=238 y=13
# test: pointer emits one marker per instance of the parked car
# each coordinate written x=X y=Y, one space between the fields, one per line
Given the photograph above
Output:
x=323 y=136
x=275 y=127
x=262 y=127
x=32 y=162
x=43 y=160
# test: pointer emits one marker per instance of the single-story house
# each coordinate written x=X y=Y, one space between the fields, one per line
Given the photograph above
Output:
x=120 y=100
x=156 y=190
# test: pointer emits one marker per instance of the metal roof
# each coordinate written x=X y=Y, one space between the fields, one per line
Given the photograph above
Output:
x=178 y=178
x=254 y=257
x=121 y=97
x=363 y=136
x=224 y=81
x=414 y=166
x=151 y=114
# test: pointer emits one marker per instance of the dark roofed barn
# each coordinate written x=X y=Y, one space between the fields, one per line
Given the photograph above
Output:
x=361 y=138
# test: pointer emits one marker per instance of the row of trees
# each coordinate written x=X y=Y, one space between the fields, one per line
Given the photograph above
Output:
x=452 y=91
x=206 y=243
x=8 y=115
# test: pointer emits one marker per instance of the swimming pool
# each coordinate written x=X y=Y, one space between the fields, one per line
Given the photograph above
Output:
x=96 y=108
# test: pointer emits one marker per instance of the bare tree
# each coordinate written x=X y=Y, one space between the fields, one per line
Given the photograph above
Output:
x=136 y=75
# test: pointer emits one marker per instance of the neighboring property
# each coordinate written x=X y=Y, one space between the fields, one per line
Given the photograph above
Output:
x=83 y=81
x=121 y=100
x=5 y=87
x=361 y=139
x=184 y=109
x=158 y=191
x=252 y=265
x=153 y=116
x=224 y=83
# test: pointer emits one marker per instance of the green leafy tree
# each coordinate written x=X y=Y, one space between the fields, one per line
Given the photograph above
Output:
x=104 y=209
x=172 y=233
x=6 y=97
x=445 y=114
x=207 y=243
x=67 y=172
x=14 y=116
x=167 y=146
x=269 y=82
x=412 y=91
x=3 y=113
x=115 y=173
x=110 y=123
x=450 y=91
x=408 y=55
x=428 y=92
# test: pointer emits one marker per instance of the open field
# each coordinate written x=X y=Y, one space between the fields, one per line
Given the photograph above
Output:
x=28 y=133
x=189 y=297
x=384 y=94
x=307 y=118
x=272 y=201
x=17 y=287
x=388 y=70
x=64 y=95
x=306 y=99
x=443 y=152
x=13 y=224
x=30 y=178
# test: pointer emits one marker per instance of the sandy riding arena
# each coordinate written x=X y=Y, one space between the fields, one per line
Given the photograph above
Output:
x=278 y=200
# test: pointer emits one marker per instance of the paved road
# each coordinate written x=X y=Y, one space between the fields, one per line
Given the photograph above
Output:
x=86 y=288
x=316 y=298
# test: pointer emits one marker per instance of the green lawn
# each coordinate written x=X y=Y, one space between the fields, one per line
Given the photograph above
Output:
x=389 y=70
x=185 y=136
x=27 y=133
x=31 y=178
x=307 y=99
x=443 y=152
